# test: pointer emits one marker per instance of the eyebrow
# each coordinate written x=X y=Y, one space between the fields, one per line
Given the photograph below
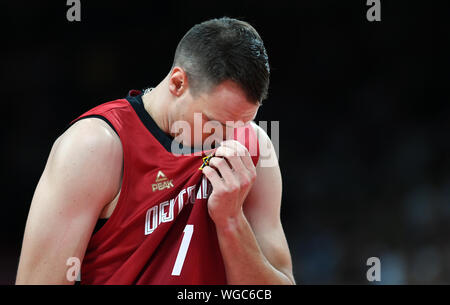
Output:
x=223 y=124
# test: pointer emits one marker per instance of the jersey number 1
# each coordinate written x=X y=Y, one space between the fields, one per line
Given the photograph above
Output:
x=188 y=231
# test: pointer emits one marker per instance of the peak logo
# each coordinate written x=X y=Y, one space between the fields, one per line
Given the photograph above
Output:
x=161 y=182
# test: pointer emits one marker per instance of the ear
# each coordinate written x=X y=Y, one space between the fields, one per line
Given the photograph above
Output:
x=178 y=81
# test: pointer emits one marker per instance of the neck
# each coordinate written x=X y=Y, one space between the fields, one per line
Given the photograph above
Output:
x=156 y=104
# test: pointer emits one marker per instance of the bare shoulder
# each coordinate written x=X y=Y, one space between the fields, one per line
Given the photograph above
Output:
x=260 y=132
x=87 y=153
x=90 y=133
x=267 y=152
x=88 y=137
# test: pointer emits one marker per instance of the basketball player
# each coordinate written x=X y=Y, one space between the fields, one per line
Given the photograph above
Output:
x=115 y=195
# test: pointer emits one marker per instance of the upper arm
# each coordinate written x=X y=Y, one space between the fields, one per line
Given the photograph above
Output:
x=81 y=176
x=262 y=207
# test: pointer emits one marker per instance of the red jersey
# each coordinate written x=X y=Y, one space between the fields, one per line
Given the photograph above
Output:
x=160 y=231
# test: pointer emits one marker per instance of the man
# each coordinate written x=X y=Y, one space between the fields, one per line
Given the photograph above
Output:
x=139 y=202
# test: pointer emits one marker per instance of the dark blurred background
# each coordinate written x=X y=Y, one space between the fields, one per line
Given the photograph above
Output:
x=364 y=146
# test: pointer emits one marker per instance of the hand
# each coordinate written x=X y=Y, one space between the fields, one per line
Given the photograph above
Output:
x=231 y=181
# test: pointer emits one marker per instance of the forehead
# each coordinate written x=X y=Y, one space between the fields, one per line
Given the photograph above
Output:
x=228 y=102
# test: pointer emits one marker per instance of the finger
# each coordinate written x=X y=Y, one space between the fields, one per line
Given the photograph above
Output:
x=248 y=162
x=232 y=157
x=223 y=168
x=212 y=176
x=242 y=164
x=242 y=151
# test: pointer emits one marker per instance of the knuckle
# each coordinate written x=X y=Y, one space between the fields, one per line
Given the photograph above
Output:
x=252 y=178
x=217 y=161
x=220 y=151
x=224 y=190
x=245 y=181
x=240 y=145
x=221 y=161
x=230 y=142
x=220 y=191
x=208 y=170
x=228 y=154
x=240 y=149
x=248 y=180
x=231 y=186
x=241 y=153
